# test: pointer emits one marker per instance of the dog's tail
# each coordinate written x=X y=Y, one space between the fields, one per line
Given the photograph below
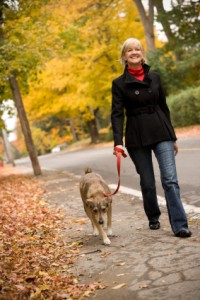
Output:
x=88 y=170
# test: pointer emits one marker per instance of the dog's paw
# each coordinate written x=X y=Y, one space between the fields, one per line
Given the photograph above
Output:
x=106 y=241
x=109 y=232
x=95 y=232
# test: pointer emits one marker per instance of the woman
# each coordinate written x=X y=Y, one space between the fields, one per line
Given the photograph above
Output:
x=139 y=93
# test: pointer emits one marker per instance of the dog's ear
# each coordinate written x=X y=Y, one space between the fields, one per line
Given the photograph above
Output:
x=90 y=203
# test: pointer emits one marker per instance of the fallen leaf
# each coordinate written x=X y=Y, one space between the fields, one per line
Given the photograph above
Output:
x=43 y=273
x=143 y=286
x=119 y=286
x=80 y=221
x=104 y=254
x=20 y=287
x=36 y=262
x=120 y=264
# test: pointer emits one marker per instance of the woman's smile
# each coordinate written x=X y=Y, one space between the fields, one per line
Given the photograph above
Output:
x=133 y=56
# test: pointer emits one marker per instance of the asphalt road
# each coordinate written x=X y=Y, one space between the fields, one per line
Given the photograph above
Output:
x=102 y=161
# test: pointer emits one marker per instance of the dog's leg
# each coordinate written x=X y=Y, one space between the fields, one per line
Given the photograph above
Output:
x=102 y=233
x=95 y=229
x=109 y=221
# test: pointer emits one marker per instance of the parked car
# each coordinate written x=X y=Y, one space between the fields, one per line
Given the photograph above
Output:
x=59 y=147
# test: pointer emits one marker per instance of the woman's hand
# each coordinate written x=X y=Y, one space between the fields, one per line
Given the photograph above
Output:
x=175 y=148
x=118 y=146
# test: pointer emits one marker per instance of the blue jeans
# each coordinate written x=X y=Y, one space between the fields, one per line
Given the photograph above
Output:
x=142 y=158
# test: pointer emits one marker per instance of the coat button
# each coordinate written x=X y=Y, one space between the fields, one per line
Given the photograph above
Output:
x=137 y=92
x=149 y=90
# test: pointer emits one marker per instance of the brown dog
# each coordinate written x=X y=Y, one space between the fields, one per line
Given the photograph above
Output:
x=96 y=205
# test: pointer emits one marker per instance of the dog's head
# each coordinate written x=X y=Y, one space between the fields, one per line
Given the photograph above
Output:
x=99 y=208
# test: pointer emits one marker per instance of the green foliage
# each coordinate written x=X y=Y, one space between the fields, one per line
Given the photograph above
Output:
x=24 y=41
x=185 y=107
x=6 y=108
x=176 y=75
x=178 y=60
x=184 y=21
x=53 y=122
x=164 y=63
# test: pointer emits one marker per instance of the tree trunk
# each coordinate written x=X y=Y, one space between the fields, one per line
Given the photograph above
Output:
x=163 y=19
x=25 y=125
x=73 y=131
x=7 y=148
x=147 y=22
x=92 y=128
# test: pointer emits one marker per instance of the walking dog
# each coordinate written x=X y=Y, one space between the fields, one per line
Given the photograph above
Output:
x=96 y=205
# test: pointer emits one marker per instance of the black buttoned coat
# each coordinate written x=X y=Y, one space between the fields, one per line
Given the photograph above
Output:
x=147 y=114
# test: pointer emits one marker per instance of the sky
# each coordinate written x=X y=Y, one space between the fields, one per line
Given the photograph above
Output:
x=10 y=122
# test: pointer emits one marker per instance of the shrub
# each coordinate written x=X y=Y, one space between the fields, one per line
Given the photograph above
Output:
x=185 y=107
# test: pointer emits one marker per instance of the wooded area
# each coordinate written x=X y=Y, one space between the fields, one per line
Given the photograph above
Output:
x=63 y=56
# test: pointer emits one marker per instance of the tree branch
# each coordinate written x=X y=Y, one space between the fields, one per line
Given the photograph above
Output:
x=147 y=22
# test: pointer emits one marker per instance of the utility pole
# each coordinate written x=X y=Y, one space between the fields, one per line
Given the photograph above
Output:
x=7 y=148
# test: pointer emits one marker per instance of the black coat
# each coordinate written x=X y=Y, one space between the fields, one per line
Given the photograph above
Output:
x=148 y=117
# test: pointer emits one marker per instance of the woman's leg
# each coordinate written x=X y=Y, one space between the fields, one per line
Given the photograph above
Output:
x=164 y=153
x=142 y=158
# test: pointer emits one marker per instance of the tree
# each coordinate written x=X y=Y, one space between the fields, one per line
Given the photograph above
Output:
x=180 y=24
x=178 y=59
x=77 y=81
x=147 y=19
x=25 y=125
x=11 y=51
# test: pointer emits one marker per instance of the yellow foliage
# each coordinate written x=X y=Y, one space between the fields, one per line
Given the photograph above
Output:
x=78 y=79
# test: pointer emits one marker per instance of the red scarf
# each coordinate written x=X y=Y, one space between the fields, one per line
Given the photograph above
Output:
x=137 y=73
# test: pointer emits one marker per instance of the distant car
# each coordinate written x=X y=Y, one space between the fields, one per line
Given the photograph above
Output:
x=59 y=147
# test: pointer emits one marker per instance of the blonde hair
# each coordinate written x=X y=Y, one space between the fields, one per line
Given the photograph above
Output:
x=124 y=47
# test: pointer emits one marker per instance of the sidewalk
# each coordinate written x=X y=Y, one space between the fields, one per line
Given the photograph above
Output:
x=139 y=264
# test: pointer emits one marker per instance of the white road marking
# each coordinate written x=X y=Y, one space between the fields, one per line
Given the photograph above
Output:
x=123 y=189
x=189 y=149
x=161 y=200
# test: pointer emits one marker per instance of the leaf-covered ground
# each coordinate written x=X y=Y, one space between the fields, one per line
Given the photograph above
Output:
x=34 y=259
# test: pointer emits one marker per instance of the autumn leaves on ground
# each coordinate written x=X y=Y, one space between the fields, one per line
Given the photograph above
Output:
x=35 y=260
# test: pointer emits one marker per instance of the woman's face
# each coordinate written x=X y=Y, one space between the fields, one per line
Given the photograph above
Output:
x=133 y=55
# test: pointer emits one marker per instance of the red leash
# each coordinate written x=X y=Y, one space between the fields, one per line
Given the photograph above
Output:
x=119 y=153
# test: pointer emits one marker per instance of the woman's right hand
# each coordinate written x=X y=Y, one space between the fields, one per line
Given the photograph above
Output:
x=118 y=146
